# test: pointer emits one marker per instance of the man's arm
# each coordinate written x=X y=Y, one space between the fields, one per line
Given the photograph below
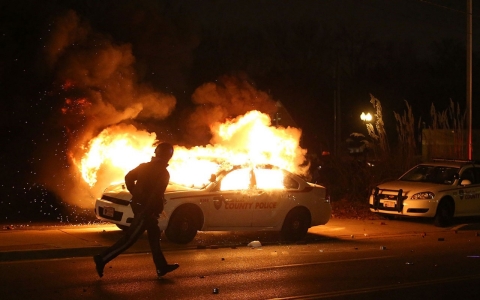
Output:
x=130 y=179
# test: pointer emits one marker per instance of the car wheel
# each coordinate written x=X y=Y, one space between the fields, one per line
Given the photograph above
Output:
x=296 y=224
x=183 y=225
x=444 y=214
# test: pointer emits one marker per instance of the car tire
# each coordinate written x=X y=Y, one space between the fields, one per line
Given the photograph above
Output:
x=296 y=224
x=183 y=225
x=444 y=215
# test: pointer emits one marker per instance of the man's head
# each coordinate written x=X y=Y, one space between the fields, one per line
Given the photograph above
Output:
x=164 y=151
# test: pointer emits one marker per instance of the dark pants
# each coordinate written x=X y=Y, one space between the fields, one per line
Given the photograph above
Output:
x=137 y=228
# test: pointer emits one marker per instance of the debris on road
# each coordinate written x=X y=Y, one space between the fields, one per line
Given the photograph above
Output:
x=254 y=244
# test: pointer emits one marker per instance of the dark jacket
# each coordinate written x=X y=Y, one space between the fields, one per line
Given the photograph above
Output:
x=147 y=184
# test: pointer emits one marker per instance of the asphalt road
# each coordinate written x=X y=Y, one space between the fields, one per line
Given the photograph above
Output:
x=346 y=260
x=398 y=267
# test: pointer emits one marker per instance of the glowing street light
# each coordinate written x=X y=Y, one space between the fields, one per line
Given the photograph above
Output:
x=366 y=117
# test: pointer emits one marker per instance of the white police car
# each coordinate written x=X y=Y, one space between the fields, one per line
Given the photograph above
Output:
x=441 y=189
x=255 y=205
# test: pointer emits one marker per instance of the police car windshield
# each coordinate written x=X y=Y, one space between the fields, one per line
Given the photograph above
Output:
x=431 y=174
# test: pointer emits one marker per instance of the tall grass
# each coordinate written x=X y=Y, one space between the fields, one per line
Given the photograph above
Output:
x=407 y=144
x=446 y=136
x=377 y=130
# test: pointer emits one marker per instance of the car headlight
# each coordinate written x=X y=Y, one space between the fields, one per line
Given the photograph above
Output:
x=423 y=195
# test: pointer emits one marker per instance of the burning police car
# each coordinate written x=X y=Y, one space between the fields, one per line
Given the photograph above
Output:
x=243 y=198
x=442 y=190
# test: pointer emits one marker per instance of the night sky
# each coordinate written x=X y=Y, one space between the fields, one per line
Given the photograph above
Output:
x=69 y=69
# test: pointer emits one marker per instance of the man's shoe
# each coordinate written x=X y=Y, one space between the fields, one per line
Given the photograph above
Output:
x=99 y=265
x=167 y=269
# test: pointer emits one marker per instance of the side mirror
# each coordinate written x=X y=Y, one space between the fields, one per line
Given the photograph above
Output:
x=465 y=182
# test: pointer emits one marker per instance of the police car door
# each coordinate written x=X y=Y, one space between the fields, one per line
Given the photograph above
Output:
x=469 y=203
x=231 y=206
x=270 y=198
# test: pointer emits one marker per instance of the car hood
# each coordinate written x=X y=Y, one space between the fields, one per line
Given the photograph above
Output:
x=410 y=186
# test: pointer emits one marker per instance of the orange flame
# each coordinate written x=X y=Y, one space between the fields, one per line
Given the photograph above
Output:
x=248 y=139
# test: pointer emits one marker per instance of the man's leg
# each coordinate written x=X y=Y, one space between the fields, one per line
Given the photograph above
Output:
x=154 y=239
x=129 y=238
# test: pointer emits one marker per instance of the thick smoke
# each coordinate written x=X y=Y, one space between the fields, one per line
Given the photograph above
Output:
x=104 y=72
x=97 y=87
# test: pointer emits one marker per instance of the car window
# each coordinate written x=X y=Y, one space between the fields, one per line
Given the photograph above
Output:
x=269 y=179
x=468 y=174
x=290 y=183
x=236 y=180
x=431 y=174
x=476 y=173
